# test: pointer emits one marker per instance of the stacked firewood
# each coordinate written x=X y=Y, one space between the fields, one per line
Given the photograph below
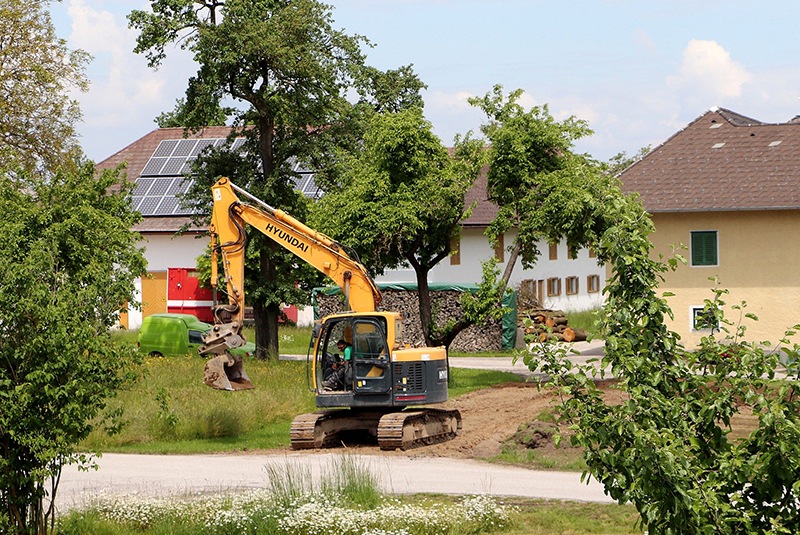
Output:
x=446 y=308
x=546 y=324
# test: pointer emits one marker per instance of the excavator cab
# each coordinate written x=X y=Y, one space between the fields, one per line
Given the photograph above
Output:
x=366 y=372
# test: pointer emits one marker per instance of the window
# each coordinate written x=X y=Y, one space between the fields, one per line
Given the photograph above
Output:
x=553 y=251
x=572 y=285
x=593 y=284
x=553 y=287
x=455 y=251
x=500 y=249
x=704 y=248
x=704 y=319
x=592 y=254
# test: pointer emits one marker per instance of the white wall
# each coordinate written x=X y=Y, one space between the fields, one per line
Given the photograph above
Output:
x=164 y=251
x=475 y=248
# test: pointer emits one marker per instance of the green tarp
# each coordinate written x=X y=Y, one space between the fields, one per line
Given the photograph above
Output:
x=509 y=319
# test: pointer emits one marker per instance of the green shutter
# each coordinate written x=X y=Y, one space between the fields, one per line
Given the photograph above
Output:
x=704 y=248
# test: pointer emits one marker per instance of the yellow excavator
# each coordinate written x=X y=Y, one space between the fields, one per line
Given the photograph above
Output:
x=383 y=375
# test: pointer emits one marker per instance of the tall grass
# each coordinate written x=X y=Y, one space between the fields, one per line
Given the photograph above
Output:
x=346 y=501
x=170 y=409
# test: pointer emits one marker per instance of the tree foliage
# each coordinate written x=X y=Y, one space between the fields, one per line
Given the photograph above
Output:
x=542 y=188
x=292 y=70
x=68 y=261
x=401 y=200
x=37 y=72
x=668 y=448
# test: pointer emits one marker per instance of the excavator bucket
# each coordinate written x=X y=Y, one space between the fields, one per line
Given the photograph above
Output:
x=226 y=372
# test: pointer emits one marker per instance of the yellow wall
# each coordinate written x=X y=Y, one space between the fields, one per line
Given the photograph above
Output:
x=759 y=262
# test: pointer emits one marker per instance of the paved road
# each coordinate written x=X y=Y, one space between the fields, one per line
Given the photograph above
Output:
x=587 y=350
x=162 y=475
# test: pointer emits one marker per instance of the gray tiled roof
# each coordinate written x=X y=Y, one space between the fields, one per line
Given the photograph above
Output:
x=721 y=161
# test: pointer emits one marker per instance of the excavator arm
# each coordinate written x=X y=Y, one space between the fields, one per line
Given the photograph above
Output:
x=228 y=239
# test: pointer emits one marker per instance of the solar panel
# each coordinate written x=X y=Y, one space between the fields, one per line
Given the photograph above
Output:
x=164 y=177
x=185 y=147
x=149 y=205
x=169 y=205
x=160 y=187
x=165 y=148
x=173 y=166
x=180 y=185
x=201 y=144
x=153 y=166
x=143 y=186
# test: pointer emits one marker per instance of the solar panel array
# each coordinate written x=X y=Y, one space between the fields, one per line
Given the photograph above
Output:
x=165 y=176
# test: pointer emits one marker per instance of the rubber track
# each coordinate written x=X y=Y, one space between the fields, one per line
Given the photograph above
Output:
x=392 y=425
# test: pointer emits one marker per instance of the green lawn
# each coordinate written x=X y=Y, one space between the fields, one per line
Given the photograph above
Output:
x=170 y=410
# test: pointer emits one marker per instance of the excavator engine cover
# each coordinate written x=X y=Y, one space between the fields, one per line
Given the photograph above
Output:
x=226 y=372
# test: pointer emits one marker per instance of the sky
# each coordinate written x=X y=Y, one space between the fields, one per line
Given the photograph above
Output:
x=637 y=71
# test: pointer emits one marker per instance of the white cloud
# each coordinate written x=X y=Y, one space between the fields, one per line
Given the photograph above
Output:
x=125 y=95
x=709 y=72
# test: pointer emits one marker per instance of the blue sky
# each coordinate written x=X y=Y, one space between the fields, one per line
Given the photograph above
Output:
x=638 y=71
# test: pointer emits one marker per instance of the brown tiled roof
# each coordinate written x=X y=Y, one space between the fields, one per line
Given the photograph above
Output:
x=721 y=161
x=139 y=152
x=484 y=211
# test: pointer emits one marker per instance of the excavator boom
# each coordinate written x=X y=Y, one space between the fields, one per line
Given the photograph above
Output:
x=228 y=238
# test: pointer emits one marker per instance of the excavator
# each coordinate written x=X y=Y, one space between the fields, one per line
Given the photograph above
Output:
x=386 y=382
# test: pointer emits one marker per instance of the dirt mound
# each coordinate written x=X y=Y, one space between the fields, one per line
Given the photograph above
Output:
x=490 y=417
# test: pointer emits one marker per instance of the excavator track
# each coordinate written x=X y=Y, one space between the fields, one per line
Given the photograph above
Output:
x=394 y=430
x=323 y=429
x=411 y=429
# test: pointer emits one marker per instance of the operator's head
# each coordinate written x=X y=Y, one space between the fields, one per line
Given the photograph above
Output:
x=341 y=344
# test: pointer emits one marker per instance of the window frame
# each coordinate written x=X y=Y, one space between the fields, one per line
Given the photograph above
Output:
x=576 y=281
x=692 y=235
x=553 y=292
x=589 y=285
x=694 y=311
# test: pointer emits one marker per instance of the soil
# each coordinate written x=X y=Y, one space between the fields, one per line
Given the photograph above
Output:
x=489 y=416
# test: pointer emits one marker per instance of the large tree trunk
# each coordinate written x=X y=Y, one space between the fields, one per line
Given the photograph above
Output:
x=266 y=315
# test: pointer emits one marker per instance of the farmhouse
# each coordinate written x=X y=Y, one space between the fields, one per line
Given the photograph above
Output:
x=728 y=188
x=159 y=161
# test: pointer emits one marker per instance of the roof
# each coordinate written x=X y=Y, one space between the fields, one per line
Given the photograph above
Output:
x=721 y=161
x=138 y=153
x=484 y=211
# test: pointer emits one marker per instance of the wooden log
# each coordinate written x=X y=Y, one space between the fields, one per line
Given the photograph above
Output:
x=569 y=335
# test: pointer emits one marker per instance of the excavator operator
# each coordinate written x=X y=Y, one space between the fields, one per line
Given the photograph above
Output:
x=339 y=378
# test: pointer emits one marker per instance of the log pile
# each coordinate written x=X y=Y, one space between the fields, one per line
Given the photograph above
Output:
x=549 y=324
x=446 y=306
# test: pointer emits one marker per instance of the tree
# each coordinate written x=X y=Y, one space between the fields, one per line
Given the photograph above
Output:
x=37 y=72
x=622 y=161
x=667 y=448
x=291 y=68
x=541 y=187
x=181 y=116
x=402 y=201
x=68 y=262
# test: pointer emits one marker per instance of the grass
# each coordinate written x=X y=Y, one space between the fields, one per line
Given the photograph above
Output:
x=536 y=517
x=588 y=320
x=170 y=410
